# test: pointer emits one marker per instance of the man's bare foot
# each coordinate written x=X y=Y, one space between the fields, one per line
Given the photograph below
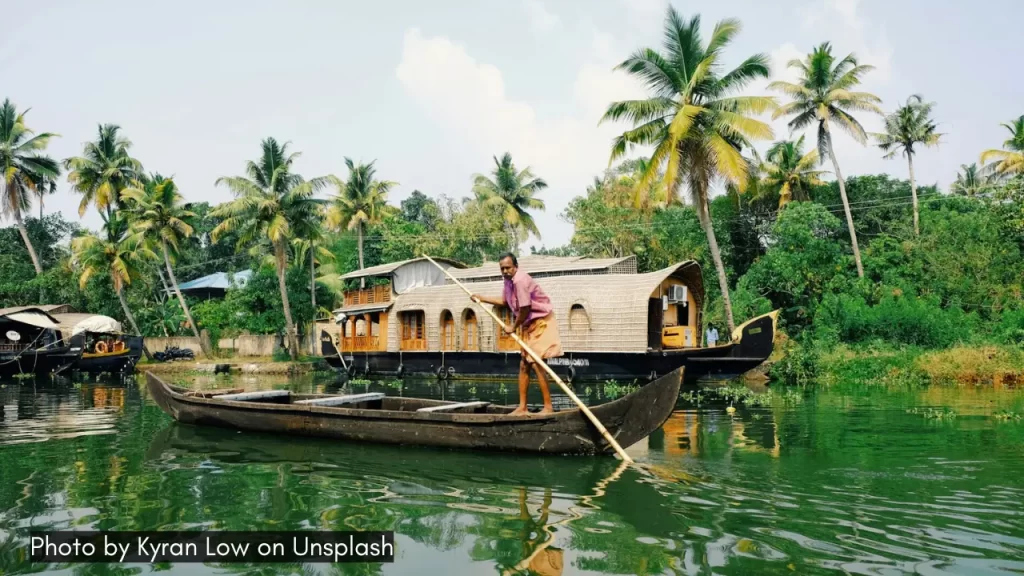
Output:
x=519 y=412
x=546 y=411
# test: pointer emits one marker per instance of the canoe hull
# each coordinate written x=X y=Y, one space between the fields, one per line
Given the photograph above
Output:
x=396 y=421
x=719 y=362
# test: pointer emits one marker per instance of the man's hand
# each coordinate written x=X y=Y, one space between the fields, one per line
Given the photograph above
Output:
x=477 y=298
x=510 y=330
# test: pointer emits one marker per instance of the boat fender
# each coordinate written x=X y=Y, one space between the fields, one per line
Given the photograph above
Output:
x=366 y=367
x=441 y=372
x=351 y=370
x=400 y=371
x=572 y=374
x=451 y=371
x=653 y=375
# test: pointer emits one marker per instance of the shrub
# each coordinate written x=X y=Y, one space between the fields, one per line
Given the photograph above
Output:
x=798 y=365
x=897 y=319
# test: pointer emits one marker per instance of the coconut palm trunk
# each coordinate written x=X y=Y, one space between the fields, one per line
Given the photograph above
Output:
x=28 y=243
x=131 y=320
x=846 y=205
x=723 y=283
x=181 y=300
x=362 y=281
x=281 y=263
x=913 y=195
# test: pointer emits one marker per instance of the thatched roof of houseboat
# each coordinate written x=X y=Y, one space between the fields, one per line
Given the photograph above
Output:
x=387 y=269
x=31 y=315
x=615 y=307
x=545 y=266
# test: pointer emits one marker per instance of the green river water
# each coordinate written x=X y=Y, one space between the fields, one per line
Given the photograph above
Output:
x=852 y=479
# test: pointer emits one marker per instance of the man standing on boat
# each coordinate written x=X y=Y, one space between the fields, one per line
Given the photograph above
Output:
x=535 y=315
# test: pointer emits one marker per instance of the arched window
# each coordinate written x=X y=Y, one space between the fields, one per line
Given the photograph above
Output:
x=413 y=332
x=447 y=331
x=505 y=342
x=470 y=331
x=578 y=318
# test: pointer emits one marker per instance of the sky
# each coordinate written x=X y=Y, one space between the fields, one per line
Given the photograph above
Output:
x=432 y=91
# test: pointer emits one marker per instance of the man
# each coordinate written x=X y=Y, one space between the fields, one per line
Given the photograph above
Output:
x=712 y=336
x=534 y=314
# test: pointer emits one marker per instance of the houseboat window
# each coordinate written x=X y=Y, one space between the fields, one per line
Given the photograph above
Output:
x=578 y=319
x=447 y=331
x=505 y=342
x=470 y=331
x=413 y=333
x=683 y=314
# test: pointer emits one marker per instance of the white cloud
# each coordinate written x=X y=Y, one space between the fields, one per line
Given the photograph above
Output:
x=467 y=100
x=647 y=7
x=541 y=19
x=841 y=21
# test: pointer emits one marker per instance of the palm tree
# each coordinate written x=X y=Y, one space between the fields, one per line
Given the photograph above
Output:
x=1010 y=161
x=789 y=172
x=970 y=181
x=25 y=170
x=908 y=126
x=103 y=171
x=44 y=187
x=157 y=211
x=121 y=254
x=823 y=95
x=271 y=203
x=360 y=202
x=693 y=118
x=511 y=193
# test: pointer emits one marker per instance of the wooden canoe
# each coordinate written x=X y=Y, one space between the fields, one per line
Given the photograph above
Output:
x=393 y=420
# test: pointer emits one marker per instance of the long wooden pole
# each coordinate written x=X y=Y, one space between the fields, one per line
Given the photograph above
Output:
x=540 y=362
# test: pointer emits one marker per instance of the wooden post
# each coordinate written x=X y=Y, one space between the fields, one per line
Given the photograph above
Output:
x=540 y=362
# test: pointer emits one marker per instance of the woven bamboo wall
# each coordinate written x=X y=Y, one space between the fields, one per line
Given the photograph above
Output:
x=615 y=304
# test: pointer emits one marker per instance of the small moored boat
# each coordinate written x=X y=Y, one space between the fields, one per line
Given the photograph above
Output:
x=105 y=347
x=30 y=343
x=374 y=417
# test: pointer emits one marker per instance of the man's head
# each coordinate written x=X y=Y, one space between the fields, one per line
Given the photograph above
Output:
x=508 y=264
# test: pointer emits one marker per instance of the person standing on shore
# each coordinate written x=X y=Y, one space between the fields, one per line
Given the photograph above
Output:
x=535 y=315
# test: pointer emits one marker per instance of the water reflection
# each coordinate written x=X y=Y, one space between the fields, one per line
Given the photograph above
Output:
x=846 y=481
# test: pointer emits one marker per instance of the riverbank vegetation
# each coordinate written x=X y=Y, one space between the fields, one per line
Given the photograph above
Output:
x=876 y=277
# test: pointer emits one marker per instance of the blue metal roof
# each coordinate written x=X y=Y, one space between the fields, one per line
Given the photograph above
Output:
x=218 y=280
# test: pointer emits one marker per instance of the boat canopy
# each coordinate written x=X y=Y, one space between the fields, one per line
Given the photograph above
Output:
x=30 y=316
x=71 y=324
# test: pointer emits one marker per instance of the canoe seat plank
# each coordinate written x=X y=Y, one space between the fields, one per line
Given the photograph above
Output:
x=340 y=400
x=247 y=396
x=447 y=407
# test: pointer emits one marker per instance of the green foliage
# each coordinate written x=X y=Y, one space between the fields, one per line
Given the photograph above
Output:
x=798 y=365
x=804 y=262
x=899 y=319
x=256 y=308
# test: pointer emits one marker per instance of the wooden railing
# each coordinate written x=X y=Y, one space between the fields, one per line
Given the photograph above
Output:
x=360 y=344
x=374 y=295
x=413 y=344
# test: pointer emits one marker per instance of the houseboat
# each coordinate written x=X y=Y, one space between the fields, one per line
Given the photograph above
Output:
x=105 y=348
x=614 y=323
x=30 y=343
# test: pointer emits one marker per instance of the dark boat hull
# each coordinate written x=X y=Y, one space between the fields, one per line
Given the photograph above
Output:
x=39 y=362
x=396 y=421
x=719 y=362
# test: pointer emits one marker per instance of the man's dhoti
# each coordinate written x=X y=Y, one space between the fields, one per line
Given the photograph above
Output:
x=542 y=337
